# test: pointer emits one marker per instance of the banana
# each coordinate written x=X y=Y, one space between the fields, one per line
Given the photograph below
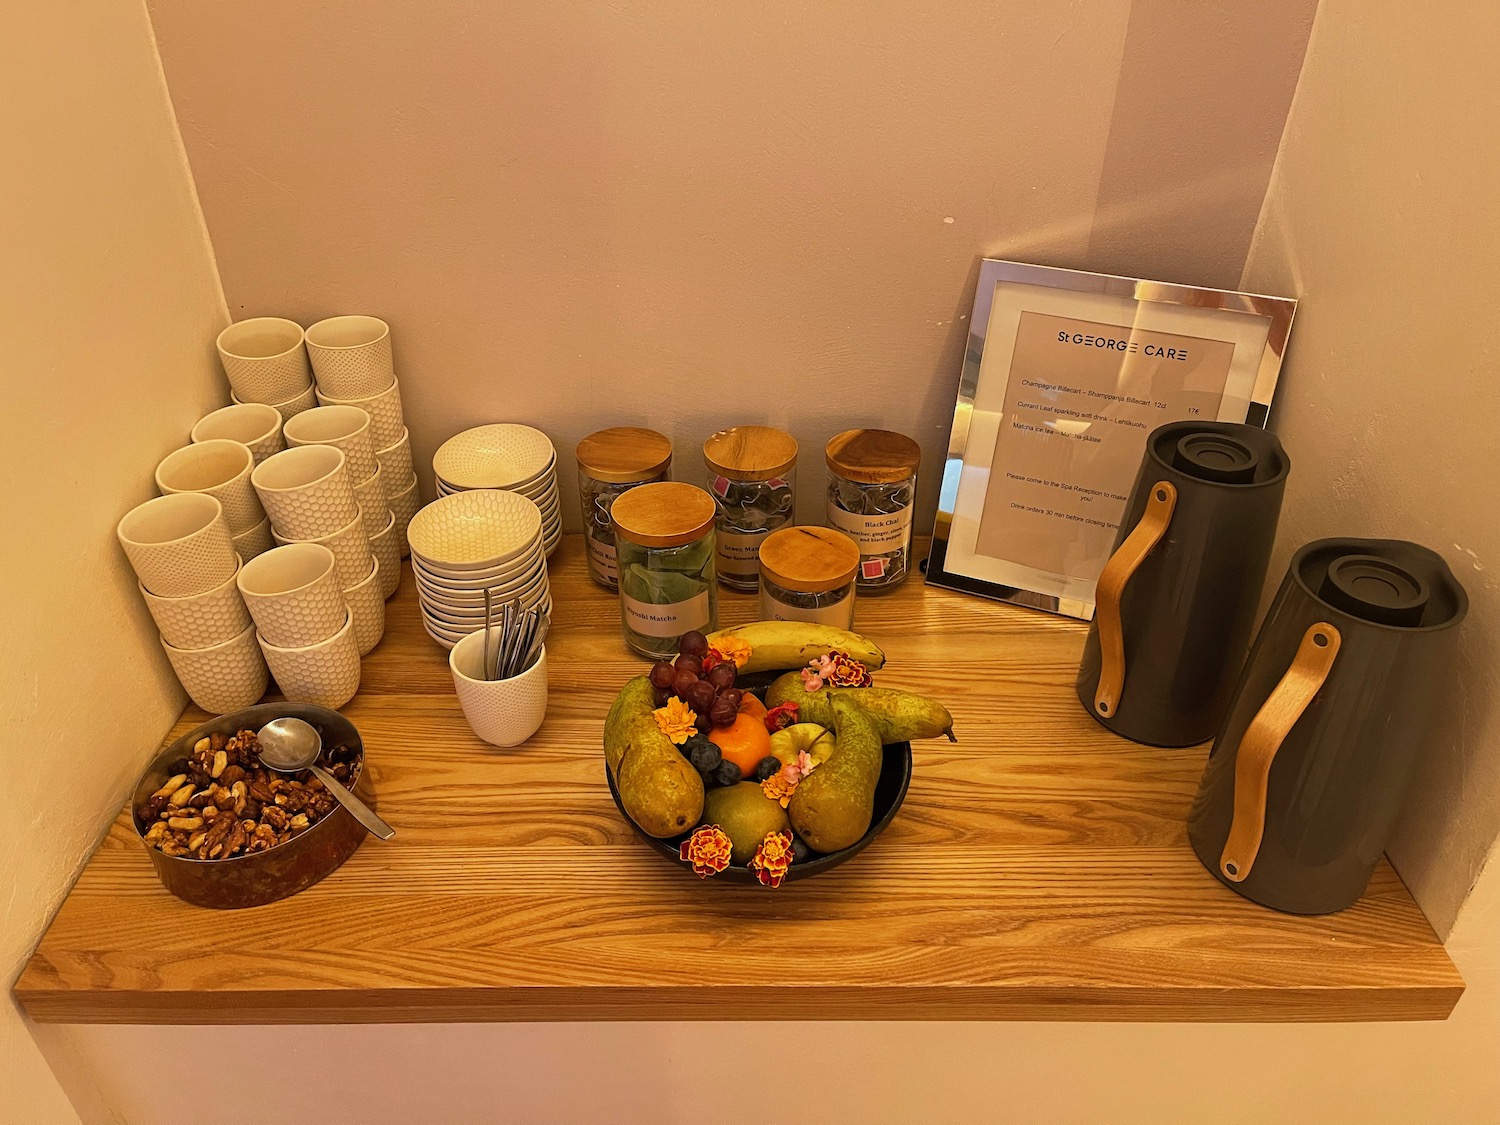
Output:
x=900 y=716
x=779 y=645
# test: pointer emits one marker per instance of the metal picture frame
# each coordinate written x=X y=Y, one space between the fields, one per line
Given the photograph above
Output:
x=1251 y=330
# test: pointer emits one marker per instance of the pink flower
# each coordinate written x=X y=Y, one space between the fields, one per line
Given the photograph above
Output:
x=811 y=681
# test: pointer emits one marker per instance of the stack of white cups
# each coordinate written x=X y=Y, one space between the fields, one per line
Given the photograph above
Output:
x=351 y=359
x=181 y=550
x=310 y=498
x=256 y=426
x=305 y=625
x=266 y=362
x=348 y=428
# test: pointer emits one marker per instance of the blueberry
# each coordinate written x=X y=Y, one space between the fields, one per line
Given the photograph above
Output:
x=691 y=744
x=769 y=766
x=705 y=756
x=800 y=851
x=727 y=773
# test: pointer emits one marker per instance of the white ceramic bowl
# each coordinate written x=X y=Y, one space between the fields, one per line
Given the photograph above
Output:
x=351 y=356
x=293 y=594
x=256 y=541
x=451 y=616
x=476 y=530
x=291 y=407
x=447 y=636
x=264 y=359
x=520 y=577
x=347 y=427
x=256 y=424
x=386 y=548
x=470 y=578
x=503 y=455
x=501 y=712
x=367 y=602
x=350 y=546
x=306 y=491
x=386 y=417
x=325 y=674
x=199 y=620
x=395 y=459
x=224 y=677
x=221 y=468
x=178 y=545
x=374 y=508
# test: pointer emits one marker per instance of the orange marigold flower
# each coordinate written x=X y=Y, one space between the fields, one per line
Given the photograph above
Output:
x=731 y=648
x=676 y=720
x=707 y=849
x=779 y=787
x=772 y=858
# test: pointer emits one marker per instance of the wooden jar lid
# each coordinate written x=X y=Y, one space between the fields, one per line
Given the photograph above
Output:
x=750 y=452
x=624 y=454
x=664 y=514
x=809 y=560
x=872 y=456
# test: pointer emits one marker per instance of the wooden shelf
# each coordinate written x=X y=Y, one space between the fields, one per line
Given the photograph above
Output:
x=1039 y=870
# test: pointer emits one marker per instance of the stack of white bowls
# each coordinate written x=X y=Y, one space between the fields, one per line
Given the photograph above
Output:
x=348 y=428
x=181 y=550
x=304 y=624
x=470 y=542
x=257 y=426
x=266 y=362
x=506 y=456
x=310 y=498
x=352 y=361
x=220 y=467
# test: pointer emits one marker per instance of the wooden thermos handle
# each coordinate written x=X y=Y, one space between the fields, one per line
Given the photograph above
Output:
x=1111 y=585
x=1263 y=737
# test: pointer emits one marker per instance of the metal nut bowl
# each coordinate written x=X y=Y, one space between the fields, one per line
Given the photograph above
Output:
x=262 y=877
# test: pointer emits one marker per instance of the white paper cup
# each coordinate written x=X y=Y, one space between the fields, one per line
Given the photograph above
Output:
x=374 y=508
x=386 y=417
x=178 y=545
x=350 y=546
x=395 y=459
x=264 y=359
x=255 y=424
x=221 y=468
x=386 y=547
x=306 y=491
x=199 y=620
x=325 y=674
x=224 y=677
x=293 y=594
x=405 y=503
x=351 y=356
x=501 y=712
x=347 y=427
x=256 y=541
x=367 y=603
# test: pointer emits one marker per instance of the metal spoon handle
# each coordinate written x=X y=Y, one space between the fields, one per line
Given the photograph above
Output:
x=362 y=812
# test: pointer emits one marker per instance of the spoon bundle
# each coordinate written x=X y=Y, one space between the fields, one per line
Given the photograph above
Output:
x=518 y=641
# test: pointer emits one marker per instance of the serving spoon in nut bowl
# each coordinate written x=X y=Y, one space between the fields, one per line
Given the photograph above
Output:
x=288 y=745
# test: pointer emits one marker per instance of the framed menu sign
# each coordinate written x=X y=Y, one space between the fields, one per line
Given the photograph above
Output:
x=1065 y=375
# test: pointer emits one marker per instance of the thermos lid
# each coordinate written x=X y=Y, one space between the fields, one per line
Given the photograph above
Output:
x=1219 y=454
x=1216 y=457
x=1375 y=589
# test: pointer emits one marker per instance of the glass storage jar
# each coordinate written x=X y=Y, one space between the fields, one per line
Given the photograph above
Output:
x=872 y=485
x=610 y=463
x=807 y=574
x=752 y=473
x=664 y=548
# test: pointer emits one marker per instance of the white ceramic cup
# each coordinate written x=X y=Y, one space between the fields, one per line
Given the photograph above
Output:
x=221 y=468
x=350 y=546
x=291 y=407
x=367 y=603
x=406 y=502
x=264 y=359
x=293 y=594
x=325 y=674
x=386 y=417
x=374 y=508
x=306 y=491
x=386 y=548
x=347 y=427
x=256 y=424
x=199 y=620
x=224 y=677
x=178 y=545
x=351 y=356
x=256 y=541
x=395 y=459
x=501 y=712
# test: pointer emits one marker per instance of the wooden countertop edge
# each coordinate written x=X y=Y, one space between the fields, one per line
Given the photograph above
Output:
x=1384 y=1003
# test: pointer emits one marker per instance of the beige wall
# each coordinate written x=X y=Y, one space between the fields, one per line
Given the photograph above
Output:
x=109 y=303
x=694 y=215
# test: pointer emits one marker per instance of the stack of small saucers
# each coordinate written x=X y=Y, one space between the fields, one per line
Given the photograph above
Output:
x=507 y=456
x=471 y=542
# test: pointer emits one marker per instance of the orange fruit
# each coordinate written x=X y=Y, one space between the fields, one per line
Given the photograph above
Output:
x=745 y=743
x=751 y=705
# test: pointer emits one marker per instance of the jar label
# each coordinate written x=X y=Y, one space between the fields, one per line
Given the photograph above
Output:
x=602 y=559
x=874 y=534
x=666 y=620
x=739 y=553
x=840 y=614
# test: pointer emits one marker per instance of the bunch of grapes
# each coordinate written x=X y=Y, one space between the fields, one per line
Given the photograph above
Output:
x=711 y=694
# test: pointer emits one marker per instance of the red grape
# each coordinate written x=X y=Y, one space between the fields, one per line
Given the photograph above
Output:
x=693 y=643
x=723 y=713
x=690 y=664
x=722 y=675
x=682 y=680
x=661 y=674
x=700 y=697
x=661 y=695
x=704 y=723
x=732 y=696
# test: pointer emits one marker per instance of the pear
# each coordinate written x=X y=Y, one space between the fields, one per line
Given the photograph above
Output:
x=900 y=716
x=659 y=788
